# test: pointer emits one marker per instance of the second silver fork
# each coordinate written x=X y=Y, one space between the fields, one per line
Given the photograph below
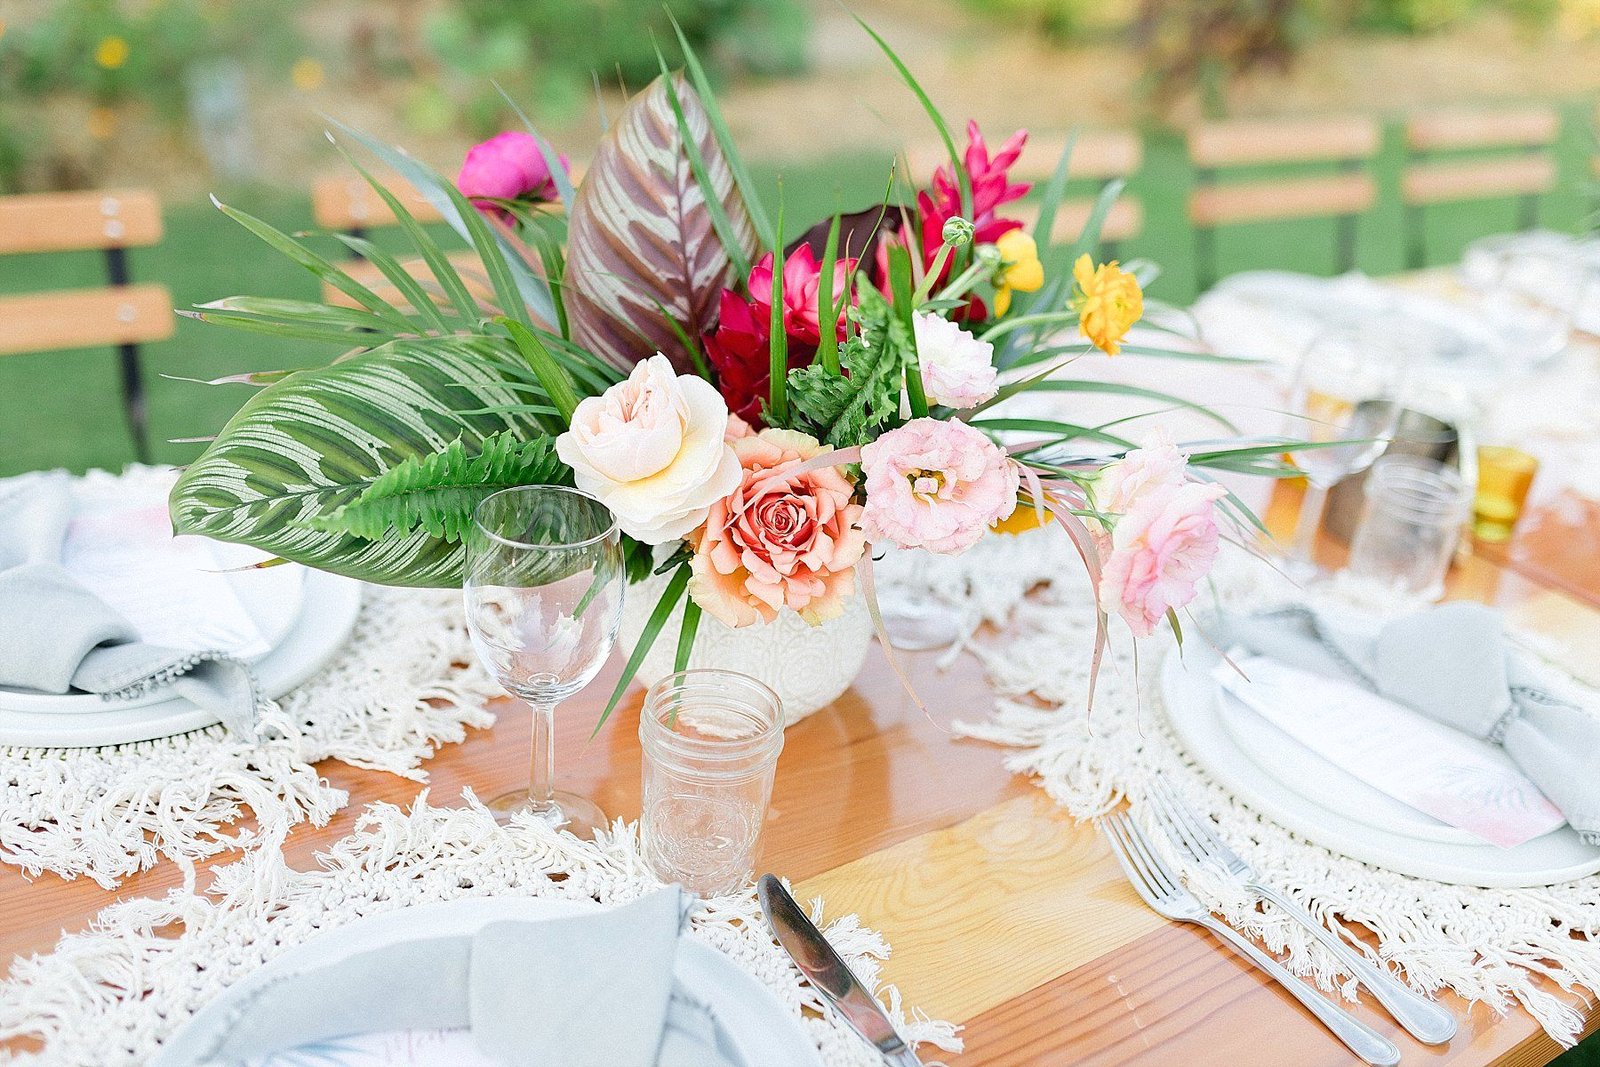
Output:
x=1159 y=886
x=1190 y=834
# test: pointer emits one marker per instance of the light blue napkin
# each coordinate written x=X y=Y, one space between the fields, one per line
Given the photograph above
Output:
x=587 y=991
x=57 y=636
x=1451 y=663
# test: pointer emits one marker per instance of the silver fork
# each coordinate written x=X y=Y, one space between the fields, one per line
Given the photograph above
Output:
x=1154 y=881
x=1422 y=1018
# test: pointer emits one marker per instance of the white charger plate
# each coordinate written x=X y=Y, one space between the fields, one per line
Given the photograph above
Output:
x=759 y=1027
x=1309 y=806
x=329 y=607
x=276 y=601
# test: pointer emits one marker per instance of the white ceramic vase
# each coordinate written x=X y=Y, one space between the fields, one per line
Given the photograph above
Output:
x=807 y=666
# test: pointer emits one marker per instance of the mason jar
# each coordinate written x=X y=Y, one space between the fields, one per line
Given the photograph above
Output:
x=710 y=741
x=1411 y=521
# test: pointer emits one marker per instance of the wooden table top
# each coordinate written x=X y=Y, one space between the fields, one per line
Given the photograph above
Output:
x=1003 y=914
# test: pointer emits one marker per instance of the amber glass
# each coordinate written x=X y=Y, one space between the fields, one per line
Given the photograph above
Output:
x=1504 y=477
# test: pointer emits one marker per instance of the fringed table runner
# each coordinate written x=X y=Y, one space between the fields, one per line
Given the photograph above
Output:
x=108 y=996
x=404 y=683
x=1031 y=595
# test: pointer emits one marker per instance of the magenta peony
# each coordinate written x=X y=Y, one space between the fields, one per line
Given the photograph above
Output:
x=508 y=166
x=936 y=485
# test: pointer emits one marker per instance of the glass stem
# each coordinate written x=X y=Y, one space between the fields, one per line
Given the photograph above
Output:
x=542 y=766
x=1312 y=505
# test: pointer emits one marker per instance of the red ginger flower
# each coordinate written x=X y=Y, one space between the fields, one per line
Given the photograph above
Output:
x=739 y=349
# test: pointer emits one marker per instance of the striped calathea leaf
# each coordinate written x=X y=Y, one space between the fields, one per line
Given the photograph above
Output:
x=648 y=250
x=311 y=447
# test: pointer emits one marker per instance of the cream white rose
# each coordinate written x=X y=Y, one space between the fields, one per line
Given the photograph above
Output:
x=957 y=368
x=651 y=449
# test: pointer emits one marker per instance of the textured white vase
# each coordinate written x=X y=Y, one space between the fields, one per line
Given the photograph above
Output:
x=807 y=666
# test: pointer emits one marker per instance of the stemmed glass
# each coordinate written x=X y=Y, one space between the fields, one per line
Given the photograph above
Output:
x=543 y=588
x=1345 y=390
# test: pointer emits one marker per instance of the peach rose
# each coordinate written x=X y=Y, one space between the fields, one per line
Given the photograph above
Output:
x=1160 y=550
x=782 y=539
x=651 y=449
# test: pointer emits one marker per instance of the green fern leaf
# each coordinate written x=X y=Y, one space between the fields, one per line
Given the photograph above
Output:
x=846 y=411
x=437 y=492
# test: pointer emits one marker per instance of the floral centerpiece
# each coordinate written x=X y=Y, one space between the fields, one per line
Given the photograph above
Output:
x=760 y=407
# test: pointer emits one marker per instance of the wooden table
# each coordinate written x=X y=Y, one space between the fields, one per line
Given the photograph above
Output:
x=1003 y=914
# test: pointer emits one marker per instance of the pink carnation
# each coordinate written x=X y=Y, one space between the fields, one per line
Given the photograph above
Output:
x=1144 y=470
x=1160 y=549
x=785 y=538
x=937 y=485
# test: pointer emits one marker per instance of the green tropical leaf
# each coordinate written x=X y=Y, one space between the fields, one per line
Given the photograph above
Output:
x=438 y=492
x=316 y=441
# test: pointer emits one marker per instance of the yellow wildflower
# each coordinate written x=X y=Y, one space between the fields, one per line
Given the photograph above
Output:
x=1108 y=300
x=111 y=52
x=307 y=74
x=1020 y=268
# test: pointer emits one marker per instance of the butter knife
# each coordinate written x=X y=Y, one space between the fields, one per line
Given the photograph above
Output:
x=831 y=976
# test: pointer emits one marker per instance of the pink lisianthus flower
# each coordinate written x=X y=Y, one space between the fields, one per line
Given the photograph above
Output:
x=1143 y=470
x=1160 y=550
x=957 y=368
x=508 y=166
x=784 y=538
x=937 y=485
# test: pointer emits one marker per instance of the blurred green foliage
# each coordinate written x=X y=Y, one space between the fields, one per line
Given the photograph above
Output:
x=551 y=52
x=111 y=52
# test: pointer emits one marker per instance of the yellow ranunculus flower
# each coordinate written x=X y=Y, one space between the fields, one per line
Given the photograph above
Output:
x=1023 y=519
x=111 y=52
x=1020 y=268
x=1109 y=302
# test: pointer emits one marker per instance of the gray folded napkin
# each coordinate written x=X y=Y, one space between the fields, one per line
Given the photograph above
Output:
x=587 y=991
x=1452 y=664
x=57 y=636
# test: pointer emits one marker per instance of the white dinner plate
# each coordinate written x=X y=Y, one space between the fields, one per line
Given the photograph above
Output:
x=759 y=1027
x=1191 y=698
x=1299 y=768
x=329 y=607
x=274 y=601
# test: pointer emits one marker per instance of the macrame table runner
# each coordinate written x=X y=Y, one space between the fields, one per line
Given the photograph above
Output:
x=1033 y=600
x=106 y=997
x=404 y=683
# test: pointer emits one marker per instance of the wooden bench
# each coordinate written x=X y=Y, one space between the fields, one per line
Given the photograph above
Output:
x=122 y=315
x=1348 y=142
x=347 y=204
x=1439 y=172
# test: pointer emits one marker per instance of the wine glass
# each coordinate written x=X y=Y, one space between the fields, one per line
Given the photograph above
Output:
x=543 y=588
x=1345 y=390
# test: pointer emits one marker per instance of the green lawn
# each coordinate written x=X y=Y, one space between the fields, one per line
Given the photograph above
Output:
x=62 y=409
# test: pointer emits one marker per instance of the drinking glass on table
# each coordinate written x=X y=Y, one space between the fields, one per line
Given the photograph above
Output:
x=710 y=740
x=543 y=590
x=1345 y=392
x=1410 y=525
x=1505 y=475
